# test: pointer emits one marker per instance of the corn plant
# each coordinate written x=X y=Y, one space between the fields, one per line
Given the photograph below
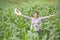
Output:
x=13 y=27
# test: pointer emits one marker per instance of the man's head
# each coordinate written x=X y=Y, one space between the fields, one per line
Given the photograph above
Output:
x=36 y=14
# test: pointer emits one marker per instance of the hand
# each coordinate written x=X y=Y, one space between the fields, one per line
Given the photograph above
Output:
x=52 y=15
x=17 y=11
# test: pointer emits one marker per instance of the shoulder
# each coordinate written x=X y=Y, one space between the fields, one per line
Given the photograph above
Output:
x=40 y=18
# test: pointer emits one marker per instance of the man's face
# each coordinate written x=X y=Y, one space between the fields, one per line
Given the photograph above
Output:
x=35 y=15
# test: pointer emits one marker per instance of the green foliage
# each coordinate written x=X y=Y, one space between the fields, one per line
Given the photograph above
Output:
x=13 y=27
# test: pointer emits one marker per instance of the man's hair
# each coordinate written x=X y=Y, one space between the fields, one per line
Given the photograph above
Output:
x=36 y=12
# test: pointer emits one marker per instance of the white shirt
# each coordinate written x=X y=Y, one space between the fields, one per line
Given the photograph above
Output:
x=36 y=24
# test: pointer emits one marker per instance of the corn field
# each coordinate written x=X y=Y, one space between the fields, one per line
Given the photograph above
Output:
x=13 y=27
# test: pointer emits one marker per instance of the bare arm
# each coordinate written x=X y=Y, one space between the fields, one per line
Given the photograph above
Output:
x=47 y=16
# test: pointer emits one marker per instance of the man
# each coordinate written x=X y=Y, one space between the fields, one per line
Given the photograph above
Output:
x=36 y=21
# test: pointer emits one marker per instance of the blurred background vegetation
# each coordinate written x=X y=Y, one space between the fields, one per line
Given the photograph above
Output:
x=13 y=27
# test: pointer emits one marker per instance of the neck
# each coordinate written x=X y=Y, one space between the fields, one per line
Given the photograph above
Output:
x=35 y=17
